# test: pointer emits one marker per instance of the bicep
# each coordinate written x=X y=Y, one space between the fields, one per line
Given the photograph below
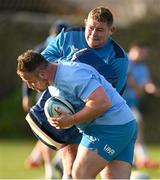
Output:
x=99 y=98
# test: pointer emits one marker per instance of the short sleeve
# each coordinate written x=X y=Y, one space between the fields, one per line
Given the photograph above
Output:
x=85 y=89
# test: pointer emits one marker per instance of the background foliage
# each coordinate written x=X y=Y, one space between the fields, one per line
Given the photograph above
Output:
x=19 y=34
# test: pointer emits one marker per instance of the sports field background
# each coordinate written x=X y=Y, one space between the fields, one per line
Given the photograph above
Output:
x=13 y=154
x=19 y=33
x=11 y=112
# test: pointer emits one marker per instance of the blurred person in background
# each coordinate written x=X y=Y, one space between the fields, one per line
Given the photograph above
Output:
x=139 y=83
x=41 y=153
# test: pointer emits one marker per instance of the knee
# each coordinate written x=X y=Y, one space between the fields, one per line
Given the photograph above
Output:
x=76 y=173
x=80 y=173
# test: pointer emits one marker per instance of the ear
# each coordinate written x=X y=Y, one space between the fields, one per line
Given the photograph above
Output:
x=43 y=74
x=85 y=21
x=113 y=29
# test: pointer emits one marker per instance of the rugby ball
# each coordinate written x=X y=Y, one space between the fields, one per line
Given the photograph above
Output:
x=42 y=129
x=53 y=102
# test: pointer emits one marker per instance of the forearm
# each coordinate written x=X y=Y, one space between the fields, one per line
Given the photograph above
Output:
x=98 y=102
x=89 y=112
x=151 y=88
x=138 y=88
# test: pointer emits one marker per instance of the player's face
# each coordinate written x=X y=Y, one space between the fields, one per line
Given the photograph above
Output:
x=35 y=82
x=97 y=33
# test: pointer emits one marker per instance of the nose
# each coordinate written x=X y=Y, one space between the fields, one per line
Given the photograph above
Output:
x=94 y=32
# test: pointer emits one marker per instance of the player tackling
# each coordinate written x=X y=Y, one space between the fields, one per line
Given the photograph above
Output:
x=107 y=124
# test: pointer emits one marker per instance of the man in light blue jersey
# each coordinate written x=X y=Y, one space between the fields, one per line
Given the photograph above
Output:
x=107 y=124
x=113 y=63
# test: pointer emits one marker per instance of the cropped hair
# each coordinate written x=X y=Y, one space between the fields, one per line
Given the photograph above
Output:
x=101 y=14
x=29 y=61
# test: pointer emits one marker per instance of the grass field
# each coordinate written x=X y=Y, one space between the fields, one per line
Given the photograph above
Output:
x=12 y=157
x=13 y=154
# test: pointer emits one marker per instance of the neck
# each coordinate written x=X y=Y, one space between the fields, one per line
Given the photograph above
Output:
x=52 y=72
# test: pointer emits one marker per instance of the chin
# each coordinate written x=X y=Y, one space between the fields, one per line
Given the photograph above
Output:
x=94 y=45
x=41 y=90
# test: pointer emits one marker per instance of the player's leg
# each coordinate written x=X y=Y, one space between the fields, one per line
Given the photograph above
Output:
x=113 y=144
x=116 y=170
x=34 y=160
x=68 y=154
x=87 y=164
x=47 y=154
x=57 y=163
x=120 y=167
x=142 y=158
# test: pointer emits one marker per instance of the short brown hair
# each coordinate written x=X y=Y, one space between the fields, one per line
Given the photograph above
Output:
x=101 y=14
x=29 y=61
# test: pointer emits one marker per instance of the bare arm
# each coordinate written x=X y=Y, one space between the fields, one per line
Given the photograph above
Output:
x=97 y=103
x=139 y=89
x=151 y=88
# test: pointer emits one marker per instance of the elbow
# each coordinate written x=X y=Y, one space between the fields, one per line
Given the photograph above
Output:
x=106 y=105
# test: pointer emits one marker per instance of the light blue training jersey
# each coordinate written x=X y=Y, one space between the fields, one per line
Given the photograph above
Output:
x=77 y=81
x=140 y=73
x=71 y=40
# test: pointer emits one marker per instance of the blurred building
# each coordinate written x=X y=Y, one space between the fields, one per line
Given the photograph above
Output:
x=125 y=11
x=43 y=6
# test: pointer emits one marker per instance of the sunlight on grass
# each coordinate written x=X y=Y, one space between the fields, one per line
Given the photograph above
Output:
x=154 y=152
x=13 y=154
x=12 y=157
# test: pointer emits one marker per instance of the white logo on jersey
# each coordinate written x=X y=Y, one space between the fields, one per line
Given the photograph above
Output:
x=109 y=150
x=93 y=139
x=105 y=60
x=74 y=49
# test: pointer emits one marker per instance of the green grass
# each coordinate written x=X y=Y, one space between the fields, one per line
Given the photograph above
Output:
x=154 y=152
x=12 y=157
x=14 y=152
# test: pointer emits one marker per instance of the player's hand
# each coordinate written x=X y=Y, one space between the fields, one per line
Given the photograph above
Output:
x=64 y=120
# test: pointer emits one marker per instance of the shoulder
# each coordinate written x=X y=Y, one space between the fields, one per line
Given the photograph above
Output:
x=75 y=29
x=75 y=67
x=119 y=51
x=73 y=32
